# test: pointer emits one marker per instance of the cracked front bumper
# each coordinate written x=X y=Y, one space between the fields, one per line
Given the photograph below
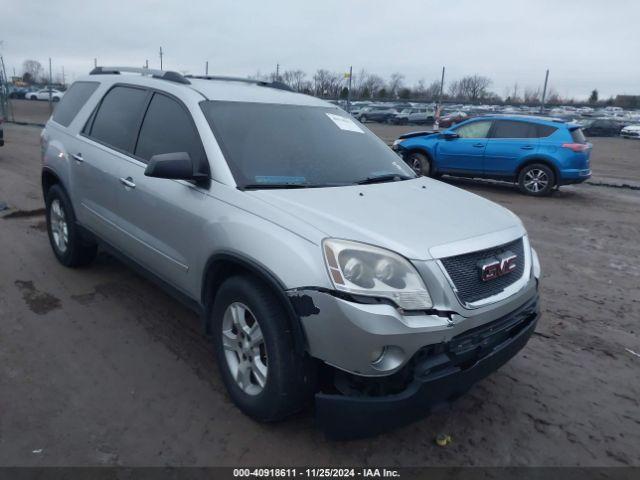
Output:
x=351 y=336
x=438 y=378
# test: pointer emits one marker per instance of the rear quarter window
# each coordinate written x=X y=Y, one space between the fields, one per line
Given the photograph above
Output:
x=73 y=101
x=545 y=130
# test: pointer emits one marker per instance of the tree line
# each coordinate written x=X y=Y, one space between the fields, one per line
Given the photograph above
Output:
x=370 y=86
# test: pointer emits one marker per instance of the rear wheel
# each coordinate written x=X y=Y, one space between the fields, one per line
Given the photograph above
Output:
x=264 y=376
x=419 y=163
x=69 y=246
x=537 y=180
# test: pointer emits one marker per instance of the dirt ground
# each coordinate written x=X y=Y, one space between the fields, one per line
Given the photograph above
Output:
x=98 y=366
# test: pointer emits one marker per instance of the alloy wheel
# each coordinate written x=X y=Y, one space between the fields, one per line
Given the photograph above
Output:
x=416 y=165
x=244 y=348
x=536 y=180
x=59 y=227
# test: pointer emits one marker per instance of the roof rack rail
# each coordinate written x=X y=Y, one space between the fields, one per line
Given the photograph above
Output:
x=161 y=74
x=263 y=83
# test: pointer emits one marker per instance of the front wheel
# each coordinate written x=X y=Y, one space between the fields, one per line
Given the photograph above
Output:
x=254 y=347
x=537 y=180
x=419 y=163
x=363 y=119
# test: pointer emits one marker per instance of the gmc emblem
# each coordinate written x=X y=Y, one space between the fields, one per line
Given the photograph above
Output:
x=494 y=267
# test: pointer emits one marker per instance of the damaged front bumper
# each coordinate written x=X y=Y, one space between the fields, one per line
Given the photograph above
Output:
x=439 y=376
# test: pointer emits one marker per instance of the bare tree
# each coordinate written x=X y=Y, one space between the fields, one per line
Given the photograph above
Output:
x=370 y=85
x=326 y=83
x=474 y=87
x=531 y=95
x=396 y=82
x=32 y=69
x=296 y=80
x=454 y=90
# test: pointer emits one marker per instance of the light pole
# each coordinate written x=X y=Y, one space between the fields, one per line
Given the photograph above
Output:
x=544 y=91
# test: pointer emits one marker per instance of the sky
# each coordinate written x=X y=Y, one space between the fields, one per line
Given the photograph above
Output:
x=585 y=44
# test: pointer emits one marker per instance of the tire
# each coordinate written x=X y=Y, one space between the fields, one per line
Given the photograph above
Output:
x=69 y=247
x=419 y=163
x=33 y=97
x=279 y=382
x=363 y=119
x=55 y=99
x=537 y=180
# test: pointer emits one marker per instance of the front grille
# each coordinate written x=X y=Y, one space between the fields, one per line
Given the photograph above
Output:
x=465 y=272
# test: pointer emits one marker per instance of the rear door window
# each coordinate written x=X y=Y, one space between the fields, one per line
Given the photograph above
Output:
x=168 y=128
x=73 y=101
x=514 y=129
x=117 y=119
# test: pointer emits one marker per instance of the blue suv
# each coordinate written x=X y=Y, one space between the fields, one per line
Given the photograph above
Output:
x=538 y=153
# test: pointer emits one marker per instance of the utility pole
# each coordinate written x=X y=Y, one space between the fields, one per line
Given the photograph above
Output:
x=146 y=63
x=349 y=90
x=95 y=62
x=441 y=88
x=50 y=100
x=161 y=58
x=63 y=78
x=544 y=91
x=206 y=67
x=277 y=72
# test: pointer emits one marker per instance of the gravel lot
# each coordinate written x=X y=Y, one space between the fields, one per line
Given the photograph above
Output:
x=98 y=366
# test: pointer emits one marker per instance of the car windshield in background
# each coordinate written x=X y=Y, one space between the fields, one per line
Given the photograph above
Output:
x=278 y=146
x=578 y=136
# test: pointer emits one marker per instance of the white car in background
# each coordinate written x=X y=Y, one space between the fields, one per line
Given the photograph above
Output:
x=56 y=95
x=631 y=131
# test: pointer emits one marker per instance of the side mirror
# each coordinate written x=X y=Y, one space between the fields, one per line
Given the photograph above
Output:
x=177 y=165
x=450 y=135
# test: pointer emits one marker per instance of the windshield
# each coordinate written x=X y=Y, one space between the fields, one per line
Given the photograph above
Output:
x=292 y=145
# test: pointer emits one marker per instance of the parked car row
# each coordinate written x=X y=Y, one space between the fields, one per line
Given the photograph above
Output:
x=33 y=93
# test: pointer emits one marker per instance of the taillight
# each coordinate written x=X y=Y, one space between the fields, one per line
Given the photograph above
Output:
x=576 y=147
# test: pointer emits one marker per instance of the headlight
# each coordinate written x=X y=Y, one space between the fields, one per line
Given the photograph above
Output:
x=397 y=142
x=363 y=269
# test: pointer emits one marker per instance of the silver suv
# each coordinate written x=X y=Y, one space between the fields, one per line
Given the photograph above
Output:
x=324 y=270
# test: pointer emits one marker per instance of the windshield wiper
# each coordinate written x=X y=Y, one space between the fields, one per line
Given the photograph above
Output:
x=273 y=186
x=392 y=177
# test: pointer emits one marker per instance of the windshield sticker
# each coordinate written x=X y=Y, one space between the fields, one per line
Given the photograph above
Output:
x=279 y=179
x=344 y=123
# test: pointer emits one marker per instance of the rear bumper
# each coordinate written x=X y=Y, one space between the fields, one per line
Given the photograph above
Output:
x=568 y=177
x=437 y=379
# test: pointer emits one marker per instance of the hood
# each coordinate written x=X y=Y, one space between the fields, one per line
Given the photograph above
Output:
x=409 y=217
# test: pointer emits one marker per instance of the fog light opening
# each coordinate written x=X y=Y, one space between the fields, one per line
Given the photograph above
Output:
x=387 y=358
x=377 y=355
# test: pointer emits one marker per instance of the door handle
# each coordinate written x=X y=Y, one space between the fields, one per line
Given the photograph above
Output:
x=128 y=182
x=478 y=145
x=527 y=147
x=77 y=157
